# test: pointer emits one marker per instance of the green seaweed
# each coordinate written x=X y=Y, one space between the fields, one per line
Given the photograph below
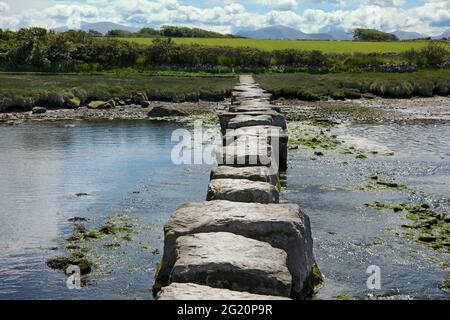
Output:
x=344 y=296
x=429 y=228
x=76 y=258
x=445 y=285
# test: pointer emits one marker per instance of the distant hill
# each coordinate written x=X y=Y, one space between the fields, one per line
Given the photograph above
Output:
x=320 y=36
x=445 y=34
x=286 y=33
x=102 y=27
x=405 y=35
x=274 y=32
x=337 y=33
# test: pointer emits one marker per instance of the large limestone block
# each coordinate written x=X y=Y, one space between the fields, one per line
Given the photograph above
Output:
x=248 y=121
x=246 y=151
x=276 y=137
x=277 y=118
x=241 y=190
x=229 y=261
x=262 y=174
x=259 y=107
x=284 y=226
x=191 y=291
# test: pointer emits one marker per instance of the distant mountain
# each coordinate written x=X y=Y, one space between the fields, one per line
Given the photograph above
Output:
x=274 y=32
x=337 y=33
x=102 y=27
x=283 y=32
x=405 y=35
x=445 y=34
x=320 y=36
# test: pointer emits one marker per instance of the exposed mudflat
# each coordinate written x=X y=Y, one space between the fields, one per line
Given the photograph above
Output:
x=376 y=110
x=131 y=112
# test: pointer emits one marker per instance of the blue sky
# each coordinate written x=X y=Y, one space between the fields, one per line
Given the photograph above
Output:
x=424 y=16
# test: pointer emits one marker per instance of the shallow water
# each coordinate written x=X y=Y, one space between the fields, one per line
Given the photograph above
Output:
x=350 y=237
x=125 y=168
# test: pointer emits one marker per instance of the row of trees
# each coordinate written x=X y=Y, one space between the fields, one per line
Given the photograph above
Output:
x=373 y=35
x=35 y=49
x=169 y=31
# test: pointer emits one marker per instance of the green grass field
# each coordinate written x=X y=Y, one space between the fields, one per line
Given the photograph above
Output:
x=324 y=46
x=306 y=86
x=22 y=90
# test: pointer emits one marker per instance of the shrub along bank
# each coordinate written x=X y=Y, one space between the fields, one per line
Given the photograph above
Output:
x=313 y=87
x=24 y=91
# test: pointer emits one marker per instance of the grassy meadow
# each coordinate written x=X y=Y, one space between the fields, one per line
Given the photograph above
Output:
x=23 y=90
x=305 y=86
x=324 y=46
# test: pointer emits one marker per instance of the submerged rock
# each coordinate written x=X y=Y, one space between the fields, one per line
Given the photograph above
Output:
x=190 y=291
x=284 y=226
x=225 y=260
x=75 y=259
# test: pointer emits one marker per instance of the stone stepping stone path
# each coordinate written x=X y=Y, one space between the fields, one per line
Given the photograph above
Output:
x=228 y=261
x=241 y=244
x=190 y=291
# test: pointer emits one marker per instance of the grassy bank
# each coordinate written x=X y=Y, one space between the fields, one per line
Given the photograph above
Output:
x=23 y=91
x=314 y=87
x=324 y=46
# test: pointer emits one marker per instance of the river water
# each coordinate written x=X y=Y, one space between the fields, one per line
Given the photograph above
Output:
x=125 y=168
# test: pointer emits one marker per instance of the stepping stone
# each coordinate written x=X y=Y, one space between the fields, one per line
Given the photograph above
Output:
x=242 y=190
x=228 y=261
x=248 y=121
x=246 y=151
x=278 y=119
x=284 y=226
x=262 y=174
x=258 y=107
x=272 y=133
x=190 y=291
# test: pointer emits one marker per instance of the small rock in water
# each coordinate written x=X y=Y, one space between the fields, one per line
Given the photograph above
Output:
x=81 y=194
x=78 y=219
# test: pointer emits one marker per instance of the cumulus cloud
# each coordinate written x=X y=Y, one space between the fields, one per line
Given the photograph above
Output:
x=431 y=16
x=279 y=5
x=3 y=7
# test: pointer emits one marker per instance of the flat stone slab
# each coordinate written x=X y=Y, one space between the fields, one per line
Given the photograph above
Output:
x=229 y=261
x=278 y=119
x=284 y=226
x=191 y=291
x=246 y=151
x=248 y=121
x=262 y=174
x=259 y=107
x=276 y=137
x=242 y=190
x=271 y=132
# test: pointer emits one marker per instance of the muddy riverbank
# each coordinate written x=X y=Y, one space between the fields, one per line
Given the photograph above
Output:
x=177 y=112
x=364 y=110
x=376 y=110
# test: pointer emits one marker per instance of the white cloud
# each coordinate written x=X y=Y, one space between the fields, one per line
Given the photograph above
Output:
x=431 y=16
x=3 y=7
x=279 y=5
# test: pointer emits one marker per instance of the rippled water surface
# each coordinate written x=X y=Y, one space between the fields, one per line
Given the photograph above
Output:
x=125 y=168
x=350 y=237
